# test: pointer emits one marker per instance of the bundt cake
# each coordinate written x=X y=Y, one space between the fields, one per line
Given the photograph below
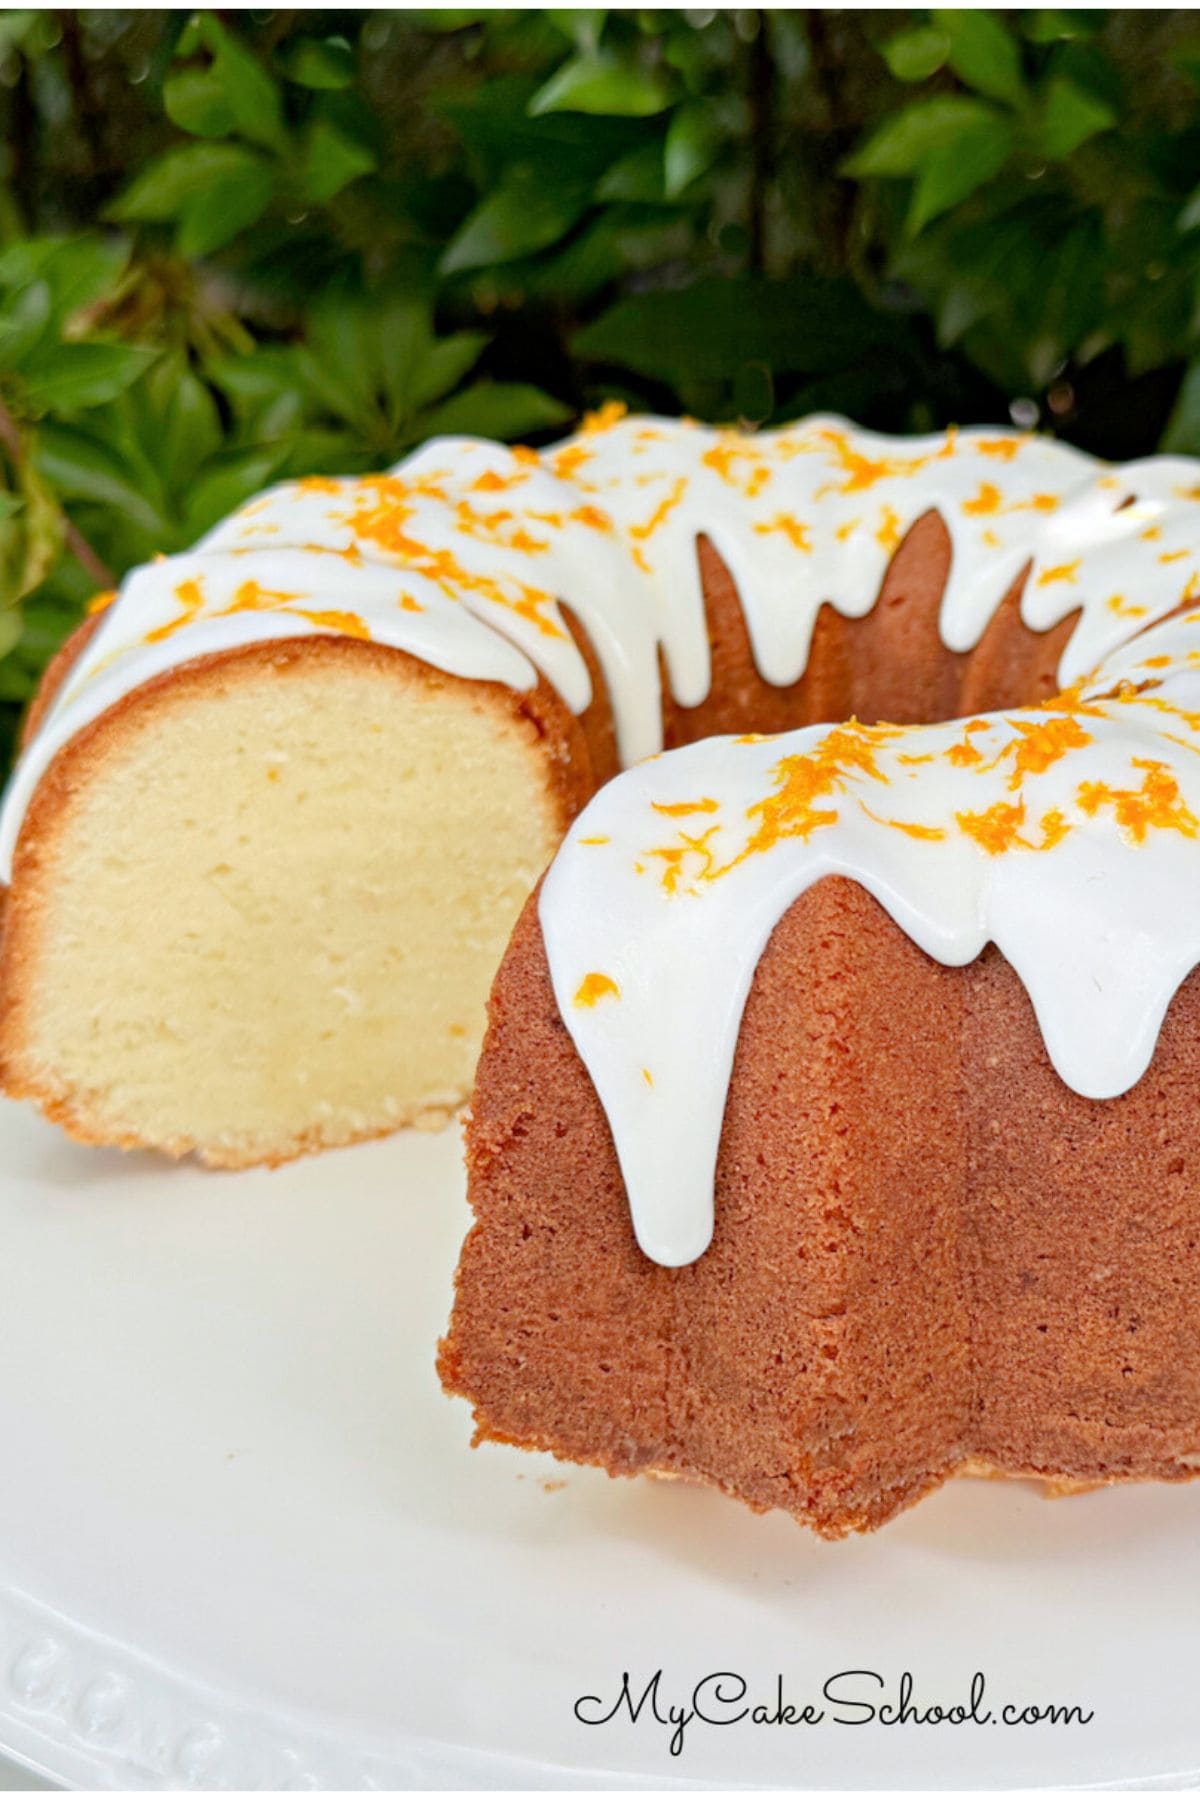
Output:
x=282 y=799
x=836 y=1126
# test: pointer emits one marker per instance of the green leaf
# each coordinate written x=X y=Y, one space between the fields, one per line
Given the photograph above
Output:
x=983 y=53
x=46 y=617
x=1067 y=117
x=253 y=96
x=263 y=388
x=326 y=63
x=1186 y=58
x=228 y=486
x=692 y=145
x=635 y=178
x=959 y=307
x=164 y=189
x=196 y=101
x=187 y=427
x=954 y=171
x=233 y=202
x=11 y=625
x=44 y=527
x=372 y=361
x=580 y=25
x=396 y=331
x=83 y=270
x=596 y=82
x=444 y=364
x=590 y=261
x=525 y=213
x=339 y=364
x=24 y=322
x=709 y=330
x=1053 y=24
x=30 y=542
x=70 y=376
x=753 y=393
x=918 y=53
x=332 y=160
x=82 y=466
x=902 y=143
x=15 y=27
x=1182 y=435
x=495 y=125
x=327 y=451
x=76 y=271
x=495 y=409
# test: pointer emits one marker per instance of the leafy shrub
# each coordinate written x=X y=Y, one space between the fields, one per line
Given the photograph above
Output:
x=237 y=248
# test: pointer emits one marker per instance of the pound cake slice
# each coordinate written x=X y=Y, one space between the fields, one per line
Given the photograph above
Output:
x=256 y=904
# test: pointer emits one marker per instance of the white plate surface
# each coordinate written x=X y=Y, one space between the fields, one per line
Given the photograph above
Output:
x=244 y=1541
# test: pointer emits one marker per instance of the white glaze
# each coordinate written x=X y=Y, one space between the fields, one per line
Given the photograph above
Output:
x=462 y=556
x=488 y=539
x=1101 y=923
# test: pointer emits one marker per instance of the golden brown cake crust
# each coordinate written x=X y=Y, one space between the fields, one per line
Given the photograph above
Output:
x=748 y=1367
x=929 y=1253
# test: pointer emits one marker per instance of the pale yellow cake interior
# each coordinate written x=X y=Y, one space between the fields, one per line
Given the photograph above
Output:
x=268 y=916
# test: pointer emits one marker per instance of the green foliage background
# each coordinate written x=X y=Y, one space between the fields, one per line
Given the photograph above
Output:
x=241 y=246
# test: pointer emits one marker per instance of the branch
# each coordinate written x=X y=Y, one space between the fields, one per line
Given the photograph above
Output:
x=762 y=141
x=76 y=543
x=87 y=111
x=22 y=146
x=825 y=72
x=86 y=557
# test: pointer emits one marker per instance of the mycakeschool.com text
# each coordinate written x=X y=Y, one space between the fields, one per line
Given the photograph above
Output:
x=724 y=1698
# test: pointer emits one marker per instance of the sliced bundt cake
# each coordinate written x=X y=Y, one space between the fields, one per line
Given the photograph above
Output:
x=283 y=799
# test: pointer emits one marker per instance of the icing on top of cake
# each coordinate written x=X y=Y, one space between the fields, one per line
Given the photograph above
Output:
x=1065 y=833
x=466 y=553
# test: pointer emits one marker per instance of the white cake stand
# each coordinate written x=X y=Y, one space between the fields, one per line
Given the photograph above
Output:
x=244 y=1542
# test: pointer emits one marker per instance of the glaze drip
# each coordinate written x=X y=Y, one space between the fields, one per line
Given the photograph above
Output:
x=1066 y=834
